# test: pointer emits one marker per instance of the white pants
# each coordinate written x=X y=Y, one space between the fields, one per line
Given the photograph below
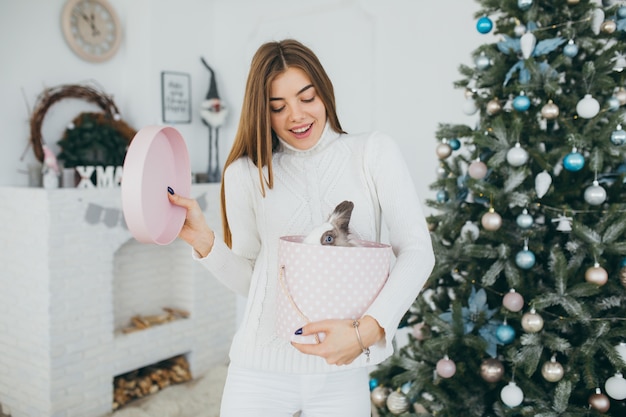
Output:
x=250 y=393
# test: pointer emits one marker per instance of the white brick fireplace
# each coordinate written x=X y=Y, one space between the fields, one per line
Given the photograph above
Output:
x=71 y=277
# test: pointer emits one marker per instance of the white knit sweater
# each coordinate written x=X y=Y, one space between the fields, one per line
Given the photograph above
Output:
x=367 y=169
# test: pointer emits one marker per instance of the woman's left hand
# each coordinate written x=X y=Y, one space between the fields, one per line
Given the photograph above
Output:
x=340 y=345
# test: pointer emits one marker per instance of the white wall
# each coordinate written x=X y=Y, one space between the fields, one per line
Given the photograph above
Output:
x=392 y=63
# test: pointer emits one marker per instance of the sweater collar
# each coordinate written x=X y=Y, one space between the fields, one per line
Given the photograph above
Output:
x=327 y=137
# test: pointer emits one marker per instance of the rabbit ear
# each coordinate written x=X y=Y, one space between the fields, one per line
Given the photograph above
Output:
x=340 y=217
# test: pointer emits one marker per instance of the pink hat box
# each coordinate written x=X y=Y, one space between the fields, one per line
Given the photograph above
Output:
x=326 y=282
x=157 y=158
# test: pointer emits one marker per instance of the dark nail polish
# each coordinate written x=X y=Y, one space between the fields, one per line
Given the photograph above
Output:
x=299 y=331
x=170 y=190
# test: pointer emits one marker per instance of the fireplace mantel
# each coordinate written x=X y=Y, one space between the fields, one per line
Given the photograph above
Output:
x=63 y=277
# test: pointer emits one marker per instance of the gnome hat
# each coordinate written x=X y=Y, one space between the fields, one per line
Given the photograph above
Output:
x=212 y=93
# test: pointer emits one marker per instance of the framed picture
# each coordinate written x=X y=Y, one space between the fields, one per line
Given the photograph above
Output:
x=176 y=97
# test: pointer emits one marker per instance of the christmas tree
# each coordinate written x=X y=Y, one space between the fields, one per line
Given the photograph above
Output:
x=525 y=311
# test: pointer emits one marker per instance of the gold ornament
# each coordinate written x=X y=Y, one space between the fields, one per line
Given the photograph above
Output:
x=491 y=220
x=552 y=371
x=550 y=111
x=573 y=2
x=608 y=26
x=491 y=370
x=443 y=150
x=599 y=401
x=397 y=403
x=379 y=396
x=493 y=107
x=596 y=275
x=532 y=322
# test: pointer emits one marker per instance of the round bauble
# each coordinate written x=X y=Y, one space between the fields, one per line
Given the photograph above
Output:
x=595 y=194
x=441 y=172
x=491 y=370
x=621 y=350
x=493 y=107
x=613 y=103
x=524 y=4
x=421 y=331
x=477 y=170
x=443 y=150
x=525 y=259
x=618 y=136
x=511 y=395
x=470 y=107
x=615 y=387
x=621 y=12
x=513 y=301
x=622 y=276
x=519 y=30
x=599 y=401
x=521 y=103
x=524 y=220
x=505 y=333
x=379 y=396
x=442 y=196
x=552 y=371
x=455 y=144
x=573 y=2
x=596 y=275
x=446 y=368
x=482 y=62
x=491 y=221
x=550 y=111
x=608 y=26
x=588 y=107
x=532 y=322
x=484 y=25
x=571 y=49
x=397 y=403
x=517 y=156
x=470 y=230
x=574 y=161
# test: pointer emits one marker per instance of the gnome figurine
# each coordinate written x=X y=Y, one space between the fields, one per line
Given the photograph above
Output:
x=213 y=113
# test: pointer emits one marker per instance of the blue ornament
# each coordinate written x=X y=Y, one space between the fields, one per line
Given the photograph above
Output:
x=621 y=12
x=484 y=25
x=574 y=161
x=521 y=103
x=618 y=137
x=442 y=196
x=455 y=144
x=524 y=4
x=525 y=220
x=623 y=263
x=505 y=333
x=373 y=383
x=571 y=49
x=525 y=259
x=613 y=103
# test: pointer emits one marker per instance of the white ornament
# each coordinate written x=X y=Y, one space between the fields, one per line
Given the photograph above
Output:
x=543 y=180
x=477 y=170
x=621 y=350
x=469 y=230
x=517 y=156
x=470 y=107
x=588 y=107
x=597 y=18
x=512 y=395
x=527 y=44
x=615 y=387
x=595 y=194
x=564 y=223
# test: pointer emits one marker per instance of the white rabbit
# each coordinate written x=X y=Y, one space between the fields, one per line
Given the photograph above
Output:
x=335 y=231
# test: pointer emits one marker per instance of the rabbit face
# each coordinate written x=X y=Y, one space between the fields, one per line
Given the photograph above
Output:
x=335 y=231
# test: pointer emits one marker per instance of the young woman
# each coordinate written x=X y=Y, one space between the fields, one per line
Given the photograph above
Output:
x=291 y=163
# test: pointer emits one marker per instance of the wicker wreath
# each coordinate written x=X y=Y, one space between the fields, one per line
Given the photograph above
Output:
x=52 y=95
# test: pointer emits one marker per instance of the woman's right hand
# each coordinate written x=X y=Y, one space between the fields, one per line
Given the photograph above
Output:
x=196 y=232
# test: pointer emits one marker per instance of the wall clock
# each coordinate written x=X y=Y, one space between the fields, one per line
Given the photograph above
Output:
x=91 y=29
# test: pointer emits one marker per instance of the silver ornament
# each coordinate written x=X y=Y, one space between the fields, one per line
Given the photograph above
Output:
x=491 y=220
x=519 y=30
x=397 y=403
x=552 y=371
x=379 y=396
x=491 y=370
x=512 y=395
x=469 y=231
x=524 y=220
x=615 y=387
x=532 y=322
x=482 y=61
x=618 y=136
x=470 y=107
x=550 y=111
x=595 y=194
x=524 y=4
x=596 y=275
x=517 y=156
x=588 y=107
x=621 y=350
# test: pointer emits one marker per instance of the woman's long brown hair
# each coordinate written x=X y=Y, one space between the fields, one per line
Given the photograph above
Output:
x=254 y=138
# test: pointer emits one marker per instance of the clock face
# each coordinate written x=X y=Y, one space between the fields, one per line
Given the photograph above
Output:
x=92 y=29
